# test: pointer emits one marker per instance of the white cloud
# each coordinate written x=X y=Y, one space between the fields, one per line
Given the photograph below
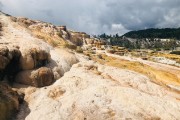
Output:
x=118 y=28
x=99 y=16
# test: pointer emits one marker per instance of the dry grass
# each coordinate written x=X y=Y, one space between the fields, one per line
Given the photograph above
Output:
x=79 y=49
x=157 y=76
x=54 y=41
x=148 y=55
x=56 y=93
x=169 y=56
x=70 y=46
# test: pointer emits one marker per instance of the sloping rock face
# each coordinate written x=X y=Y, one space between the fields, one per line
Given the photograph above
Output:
x=61 y=62
x=9 y=102
x=46 y=30
x=31 y=63
x=98 y=92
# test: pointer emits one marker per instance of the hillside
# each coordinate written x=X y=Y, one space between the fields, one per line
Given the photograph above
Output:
x=169 y=33
x=156 y=39
x=49 y=72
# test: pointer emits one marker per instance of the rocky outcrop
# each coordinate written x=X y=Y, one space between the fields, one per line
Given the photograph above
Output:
x=22 y=66
x=3 y=57
x=9 y=102
x=32 y=71
x=62 y=28
x=49 y=32
x=24 y=21
x=47 y=68
x=78 y=37
x=37 y=78
x=34 y=58
x=9 y=62
x=1 y=28
x=32 y=54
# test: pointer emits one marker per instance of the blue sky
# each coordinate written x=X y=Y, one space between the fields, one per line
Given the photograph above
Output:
x=99 y=16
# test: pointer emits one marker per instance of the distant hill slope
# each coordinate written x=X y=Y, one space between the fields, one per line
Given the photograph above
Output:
x=155 y=33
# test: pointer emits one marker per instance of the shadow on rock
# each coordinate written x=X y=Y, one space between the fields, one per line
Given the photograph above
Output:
x=23 y=111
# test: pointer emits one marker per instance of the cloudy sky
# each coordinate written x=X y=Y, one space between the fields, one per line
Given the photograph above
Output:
x=99 y=16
